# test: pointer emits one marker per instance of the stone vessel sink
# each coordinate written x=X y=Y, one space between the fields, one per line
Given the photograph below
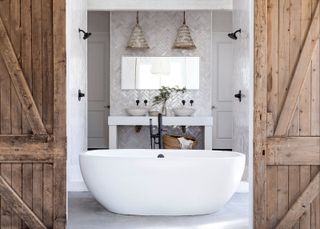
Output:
x=184 y=111
x=137 y=111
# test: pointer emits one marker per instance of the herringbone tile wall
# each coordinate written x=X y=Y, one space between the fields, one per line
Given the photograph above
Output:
x=160 y=30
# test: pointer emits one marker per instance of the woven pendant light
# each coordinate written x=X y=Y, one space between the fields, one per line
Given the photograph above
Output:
x=137 y=39
x=184 y=39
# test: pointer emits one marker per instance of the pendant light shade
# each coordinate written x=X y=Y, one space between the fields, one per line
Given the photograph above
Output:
x=137 y=39
x=184 y=39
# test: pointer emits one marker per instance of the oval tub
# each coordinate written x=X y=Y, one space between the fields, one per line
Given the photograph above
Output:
x=137 y=182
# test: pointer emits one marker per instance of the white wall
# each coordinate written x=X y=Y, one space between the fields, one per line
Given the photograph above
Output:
x=160 y=29
x=242 y=78
x=77 y=79
x=243 y=17
x=159 y=4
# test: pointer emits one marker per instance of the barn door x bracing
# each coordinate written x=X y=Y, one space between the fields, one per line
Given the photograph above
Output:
x=33 y=116
x=287 y=114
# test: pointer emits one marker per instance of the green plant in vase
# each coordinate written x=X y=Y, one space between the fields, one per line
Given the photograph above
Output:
x=164 y=95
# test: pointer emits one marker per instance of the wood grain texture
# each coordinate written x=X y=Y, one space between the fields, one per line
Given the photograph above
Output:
x=292 y=157
x=299 y=207
x=26 y=53
x=32 y=86
x=59 y=111
x=19 y=206
x=260 y=114
x=287 y=151
x=299 y=76
x=15 y=36
x=19 y=82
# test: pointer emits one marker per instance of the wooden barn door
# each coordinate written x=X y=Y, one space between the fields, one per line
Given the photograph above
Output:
x=32 y=114
x=287 y=114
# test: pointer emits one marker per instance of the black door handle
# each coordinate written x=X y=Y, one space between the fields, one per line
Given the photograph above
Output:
x=80 y=95
x=239 y=96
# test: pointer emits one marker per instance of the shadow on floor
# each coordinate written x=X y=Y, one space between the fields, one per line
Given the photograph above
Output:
x=86 y=213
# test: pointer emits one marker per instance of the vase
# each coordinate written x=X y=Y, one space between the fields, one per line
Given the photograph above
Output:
x=164 y=109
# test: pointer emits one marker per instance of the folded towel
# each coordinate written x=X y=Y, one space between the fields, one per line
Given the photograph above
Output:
x=185 y=143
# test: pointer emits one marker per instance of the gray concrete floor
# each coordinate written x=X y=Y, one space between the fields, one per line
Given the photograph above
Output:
x=86 y=213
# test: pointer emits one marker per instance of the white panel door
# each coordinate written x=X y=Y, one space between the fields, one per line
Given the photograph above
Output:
x=222 y=95
x=98 y=90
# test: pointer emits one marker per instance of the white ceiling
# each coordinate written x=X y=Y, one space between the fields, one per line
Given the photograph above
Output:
x=114 y=5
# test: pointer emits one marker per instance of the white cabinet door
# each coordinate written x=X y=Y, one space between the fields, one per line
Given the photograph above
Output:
x=222 y=93
x=98 y=90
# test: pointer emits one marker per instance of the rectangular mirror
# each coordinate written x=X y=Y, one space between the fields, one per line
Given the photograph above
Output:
x=153 y=72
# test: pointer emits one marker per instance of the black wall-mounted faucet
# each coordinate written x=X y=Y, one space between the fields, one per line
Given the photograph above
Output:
x=86 y=35
x=183 y=102
x=145 y=102
x=137 y=102
x=191 y=102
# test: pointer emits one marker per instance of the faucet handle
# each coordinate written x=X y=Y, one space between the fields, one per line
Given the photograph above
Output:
x=137 y=102
x=183 y=102
x=145 y=102
x=191 y=102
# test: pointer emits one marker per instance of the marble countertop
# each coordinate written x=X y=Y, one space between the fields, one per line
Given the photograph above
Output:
x=166 y=120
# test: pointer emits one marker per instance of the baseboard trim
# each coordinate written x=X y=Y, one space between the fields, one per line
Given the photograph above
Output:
x=77 y=186
x=243 y=187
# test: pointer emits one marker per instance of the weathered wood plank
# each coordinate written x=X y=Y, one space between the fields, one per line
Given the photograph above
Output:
x=283 y=52
x=47 y=64
x=26 y=54
x=59 y=192
x=294 y=187
x=19 y=82
x=299 y=207
x=273 y=60
x=315 y=127
x=298 y=77
x=17 y=187
x=37 y=190
x=260 y=113
x=27 y=187
x=293 y=151
x=15 y=36
x=305 y=105
x=48 y=193
x=17 y=204
x=59 y=66
x=272 y=196
x=6 y=212
x=283 y=190
x=59 y=129
x=304 y=110
x=305 y=180
x=315 y=205
x=25 y=142
x=294 y=51
x=315 y=93
x=5 y=88
x=36 y=38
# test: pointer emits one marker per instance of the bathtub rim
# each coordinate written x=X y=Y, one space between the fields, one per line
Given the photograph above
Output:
x=125 y=154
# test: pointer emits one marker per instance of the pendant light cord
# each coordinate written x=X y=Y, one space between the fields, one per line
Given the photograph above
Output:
x=184 y=17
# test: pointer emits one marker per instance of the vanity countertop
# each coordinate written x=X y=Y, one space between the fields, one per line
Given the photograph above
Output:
x=166 y=120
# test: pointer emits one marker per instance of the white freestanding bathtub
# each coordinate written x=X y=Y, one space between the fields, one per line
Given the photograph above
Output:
x=137 y=182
